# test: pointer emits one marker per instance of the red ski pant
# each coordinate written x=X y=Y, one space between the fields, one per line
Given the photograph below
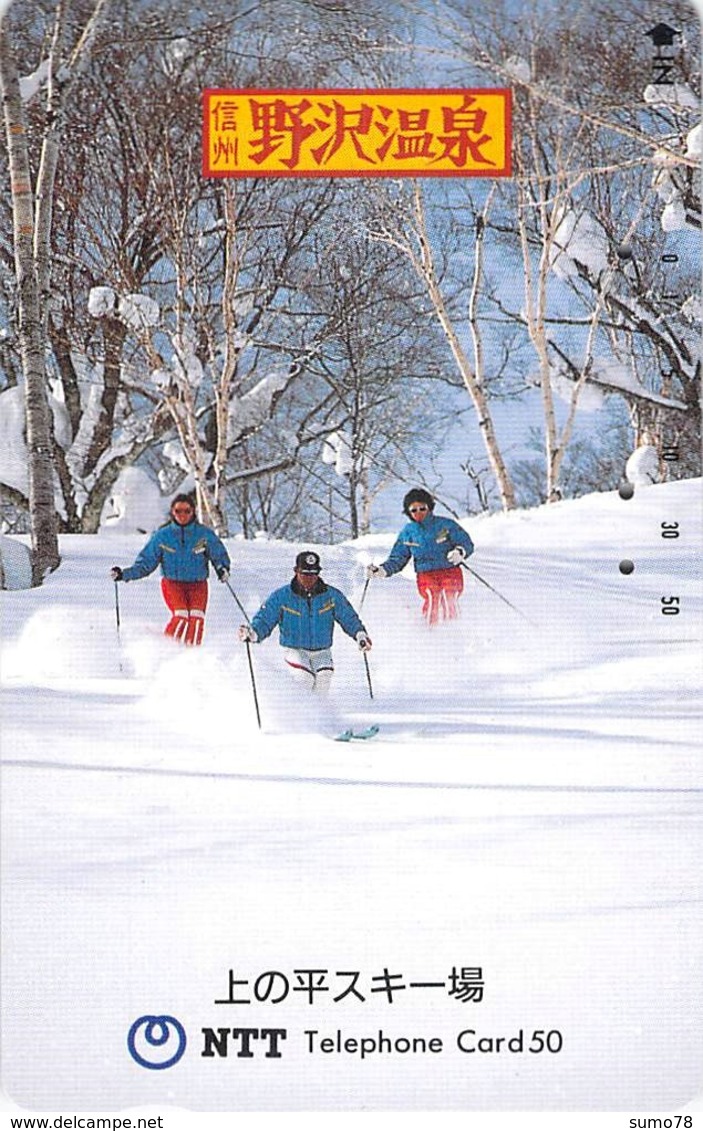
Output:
x=187 y=601
x=440 y=590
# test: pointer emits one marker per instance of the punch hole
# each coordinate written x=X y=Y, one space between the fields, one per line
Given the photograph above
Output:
x=626 y=490
x=626 y=566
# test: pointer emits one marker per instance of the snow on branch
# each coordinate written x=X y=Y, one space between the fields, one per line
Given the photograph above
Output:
x=337 y=452
x=579 y=241
x=605 y=377
x=255 y=407
x=676 y=96
x=137 y=311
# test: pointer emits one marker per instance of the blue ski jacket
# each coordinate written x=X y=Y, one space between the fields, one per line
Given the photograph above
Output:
x=428 y=543
x=306 y=620
x=183 y=552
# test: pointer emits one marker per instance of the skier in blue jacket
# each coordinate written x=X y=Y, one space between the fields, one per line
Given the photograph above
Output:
x=438 y=546
x=306 y=611
x=183 y=548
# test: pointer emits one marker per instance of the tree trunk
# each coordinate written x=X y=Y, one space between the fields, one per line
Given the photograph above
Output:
x=471 y=379
x=43 y=519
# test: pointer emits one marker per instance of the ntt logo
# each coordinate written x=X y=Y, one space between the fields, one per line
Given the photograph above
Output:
x=156 y=1042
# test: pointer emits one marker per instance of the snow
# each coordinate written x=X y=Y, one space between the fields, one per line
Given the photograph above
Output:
x=591 y=398
x=677 y=95
x=102 y=301
x=665 y=186
x=612 y=375
x=254 y=407
x=139 y=312
x=337 y=452
x=32 y=84
x=531 y=807
x=692 y=308
x=605 y=376
x=664 y=182
x=673 y=217
x=693 y=141
x=15 y=564
x=642 y=468
x=134 y=505
x=162 y=378
x=13 y=448
x=172 y=450
x=518 y=68
x=578 y=238
x=186 y=364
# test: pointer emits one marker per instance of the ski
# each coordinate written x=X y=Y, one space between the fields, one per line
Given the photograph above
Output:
x=350 y=734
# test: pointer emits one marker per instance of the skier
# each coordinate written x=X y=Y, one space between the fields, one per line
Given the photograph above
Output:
x=437 y=546
x=183 y=548
x=305 y=612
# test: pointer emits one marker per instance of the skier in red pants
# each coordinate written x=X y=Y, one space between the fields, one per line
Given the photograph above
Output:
x=183 y=548
x=187 y=601
x=438 y=546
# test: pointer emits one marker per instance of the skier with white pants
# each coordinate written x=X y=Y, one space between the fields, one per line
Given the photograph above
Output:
x=306 y=611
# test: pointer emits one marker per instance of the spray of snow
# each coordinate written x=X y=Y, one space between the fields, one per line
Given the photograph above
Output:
x=534 y=790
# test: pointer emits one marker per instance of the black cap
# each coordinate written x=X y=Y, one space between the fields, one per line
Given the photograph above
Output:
x=418 y=495
x=308 y=562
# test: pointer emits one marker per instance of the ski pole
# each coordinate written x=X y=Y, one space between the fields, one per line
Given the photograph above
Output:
x=239 y=603
x=361 y=602
x=117 y=619
x=248 y=644
x=368 y=675
x=500 y=595
x=253 y=684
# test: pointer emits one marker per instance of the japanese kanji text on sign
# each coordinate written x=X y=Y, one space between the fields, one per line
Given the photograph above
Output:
x=356 y=133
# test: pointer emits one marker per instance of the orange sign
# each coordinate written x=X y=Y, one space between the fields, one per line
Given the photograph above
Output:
x=356 y=133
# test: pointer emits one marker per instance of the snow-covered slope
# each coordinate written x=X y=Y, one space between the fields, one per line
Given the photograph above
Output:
x=529 y=807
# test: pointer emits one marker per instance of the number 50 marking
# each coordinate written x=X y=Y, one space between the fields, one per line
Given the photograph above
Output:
x=671 y=606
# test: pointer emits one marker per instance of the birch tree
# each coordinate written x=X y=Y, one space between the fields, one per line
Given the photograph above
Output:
x=45 y=549
x=411 y=237
x=603 y=158
x=32 y=201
